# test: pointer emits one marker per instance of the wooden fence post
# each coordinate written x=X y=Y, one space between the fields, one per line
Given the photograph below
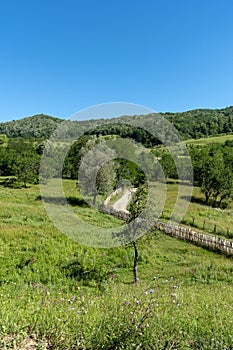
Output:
x=203 y=224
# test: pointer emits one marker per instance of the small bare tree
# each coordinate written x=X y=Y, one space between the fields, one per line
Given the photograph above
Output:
x=135 y=208
x=140 y=222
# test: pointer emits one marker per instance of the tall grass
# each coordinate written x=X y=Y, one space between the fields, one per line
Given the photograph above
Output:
x=210 y=140
x=199 y=215
x=67 y=296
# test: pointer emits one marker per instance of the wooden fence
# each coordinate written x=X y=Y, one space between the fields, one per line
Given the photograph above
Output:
x=185 y=233
x=198 y=238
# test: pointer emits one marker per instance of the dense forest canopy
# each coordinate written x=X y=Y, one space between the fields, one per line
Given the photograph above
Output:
x=203 y=122
x=191 y=124
x=38 y=126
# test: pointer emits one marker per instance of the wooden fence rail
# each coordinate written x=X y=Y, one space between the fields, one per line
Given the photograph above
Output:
x=198 y=238
x=185 y=233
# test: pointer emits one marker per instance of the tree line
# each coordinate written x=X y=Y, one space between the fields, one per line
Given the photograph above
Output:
x=21 y=159
x=212 y=164
x=213 y=172
x=191 y=124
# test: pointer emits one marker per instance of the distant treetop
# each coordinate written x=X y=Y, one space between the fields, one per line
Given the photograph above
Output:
x=37 y=126
x=191 y=124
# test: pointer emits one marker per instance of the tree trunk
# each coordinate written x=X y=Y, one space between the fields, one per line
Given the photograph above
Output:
x=215 y=200
x=94 y=197
x=223 y=196
x=207 y=196
x=135 y=265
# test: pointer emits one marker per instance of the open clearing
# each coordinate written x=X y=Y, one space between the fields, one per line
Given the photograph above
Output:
x=58 y=294
x=209 y=140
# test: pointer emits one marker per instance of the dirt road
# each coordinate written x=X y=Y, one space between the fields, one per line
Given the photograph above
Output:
x=121 y=203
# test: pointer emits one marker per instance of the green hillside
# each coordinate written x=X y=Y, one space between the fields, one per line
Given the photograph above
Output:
x=203 y=122
x=191 y=124
x=57 y=294
x=38 y=126
x=210 y=140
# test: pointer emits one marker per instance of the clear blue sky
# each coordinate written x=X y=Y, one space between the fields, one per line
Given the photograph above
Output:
x=60 y=56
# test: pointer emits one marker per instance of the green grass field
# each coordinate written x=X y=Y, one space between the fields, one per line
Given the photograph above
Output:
x=58 y=294
x=208 y=140
x=199 y=215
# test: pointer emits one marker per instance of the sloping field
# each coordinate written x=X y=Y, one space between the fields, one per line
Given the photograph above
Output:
x=58 y=294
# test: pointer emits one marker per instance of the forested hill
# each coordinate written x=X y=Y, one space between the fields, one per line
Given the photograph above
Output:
x=202 y=122
x=38 y=126
x=191 y=124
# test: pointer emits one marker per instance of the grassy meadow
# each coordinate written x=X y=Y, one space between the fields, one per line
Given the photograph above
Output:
x=58 y=294
x=199 y=215
x=209 y=140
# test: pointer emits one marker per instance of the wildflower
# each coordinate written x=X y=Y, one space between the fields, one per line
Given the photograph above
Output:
x=174 y=298
x=112 y=276
x=139 y=325
x=138 y=301
x=152 y=291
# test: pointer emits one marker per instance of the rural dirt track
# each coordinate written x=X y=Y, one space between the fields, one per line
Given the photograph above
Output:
x=121 y=203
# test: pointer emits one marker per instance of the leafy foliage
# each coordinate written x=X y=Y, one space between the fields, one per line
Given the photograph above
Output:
x=20 y=159
x=202 y=122
x=126 y=131
x=38 y=126
x=213 y=171
x=97 y=171
x=191 y=124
